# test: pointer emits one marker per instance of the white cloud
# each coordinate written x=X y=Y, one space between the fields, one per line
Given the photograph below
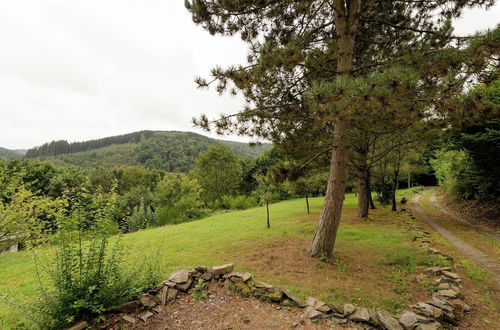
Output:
x=78 y=70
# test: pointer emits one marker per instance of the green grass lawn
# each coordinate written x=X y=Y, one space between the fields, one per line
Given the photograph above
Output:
x=373 y=265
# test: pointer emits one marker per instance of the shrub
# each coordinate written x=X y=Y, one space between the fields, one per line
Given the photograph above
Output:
x=86 y=274
x=179 y=198
x=141 y=218
x=238 y=202
x=168 y=216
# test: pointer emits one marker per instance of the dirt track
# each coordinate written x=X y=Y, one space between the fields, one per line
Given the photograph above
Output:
x=465 y=249
x=442 y=209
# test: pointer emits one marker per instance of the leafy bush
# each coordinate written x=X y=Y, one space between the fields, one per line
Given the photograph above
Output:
x=87 y=275
x=178 y=199
x=239 y=202
x=141 y=218
x=458 y=176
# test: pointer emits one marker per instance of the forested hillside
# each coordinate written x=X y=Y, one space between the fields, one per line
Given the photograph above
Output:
x=170 y=151
x=8 y=154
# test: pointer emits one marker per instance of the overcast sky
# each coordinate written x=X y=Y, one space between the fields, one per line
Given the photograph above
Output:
x=79 y=70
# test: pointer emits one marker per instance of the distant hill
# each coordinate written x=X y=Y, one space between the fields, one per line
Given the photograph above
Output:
x=170 y=151
x=8 y=154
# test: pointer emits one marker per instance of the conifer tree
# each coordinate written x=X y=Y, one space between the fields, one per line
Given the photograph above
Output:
x=316 y=67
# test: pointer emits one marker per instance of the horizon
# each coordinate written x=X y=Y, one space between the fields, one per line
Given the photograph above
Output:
x=216 y=137
x=95 y=77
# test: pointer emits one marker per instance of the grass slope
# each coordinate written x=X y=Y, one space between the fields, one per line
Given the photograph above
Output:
x=374 y=263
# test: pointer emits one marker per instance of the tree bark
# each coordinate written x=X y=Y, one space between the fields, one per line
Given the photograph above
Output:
x=267 y=210
x=307 y=203
x=369 y=185
x=346 y=20
x=395 y=180
x=326 y=232
x=363 y=192
x=393 y=192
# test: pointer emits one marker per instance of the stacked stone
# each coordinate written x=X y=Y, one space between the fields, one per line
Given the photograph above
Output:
x=152 y=302
x=445 y=308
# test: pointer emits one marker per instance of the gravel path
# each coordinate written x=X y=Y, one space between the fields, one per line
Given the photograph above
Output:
x=436 y=204
x=467 y=250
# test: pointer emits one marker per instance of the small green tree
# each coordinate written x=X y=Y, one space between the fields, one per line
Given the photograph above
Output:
x=20 y=210
x=218 y=171
x=179 y=195
x=309 y=184
x=265 y=193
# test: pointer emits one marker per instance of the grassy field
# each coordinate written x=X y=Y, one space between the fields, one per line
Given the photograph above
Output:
x=374 y=264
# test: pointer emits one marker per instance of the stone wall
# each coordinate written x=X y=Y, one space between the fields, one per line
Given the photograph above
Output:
x=446 y=307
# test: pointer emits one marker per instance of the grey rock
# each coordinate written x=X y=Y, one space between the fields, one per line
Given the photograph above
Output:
x=374 y=319
x=361 y=315
x=170 y=284
x=129 y=319
x=449 y=294
x=263 y=285
x=146 y=316
x=238 y=277
x=456 y=288
x=339 y=320
x=297 y=301
x=424 y=319
x=424 y=309
x=408 y=320
x=444 y=286
x=180 y=276
x=167 y=295
x=451 y=275
x=436 y=270
x=222 y=270
x=184 y=286
x=429 y=326
x=157 y=309
x=207 y=276
x=172 y=294
x=147 y=301
x=201 y=269
x=441 y=304
x=388 y=321
x=466 y=307
x=129 y=307
x=349 y=309
x=313 y=314
x=311 y=301
x=322 y=307
x=80 y=326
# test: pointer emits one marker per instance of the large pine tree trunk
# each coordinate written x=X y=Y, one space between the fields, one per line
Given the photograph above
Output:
x=326 y=232
x=346 y=19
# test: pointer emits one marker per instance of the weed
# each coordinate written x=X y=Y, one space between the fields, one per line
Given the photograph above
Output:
x=200 y=290
x=341 y=265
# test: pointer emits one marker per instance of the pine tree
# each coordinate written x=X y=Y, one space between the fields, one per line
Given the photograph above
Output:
x=312 y=65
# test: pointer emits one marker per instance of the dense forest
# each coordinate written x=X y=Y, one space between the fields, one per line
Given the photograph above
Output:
x=169 y=151
x=8 y=154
